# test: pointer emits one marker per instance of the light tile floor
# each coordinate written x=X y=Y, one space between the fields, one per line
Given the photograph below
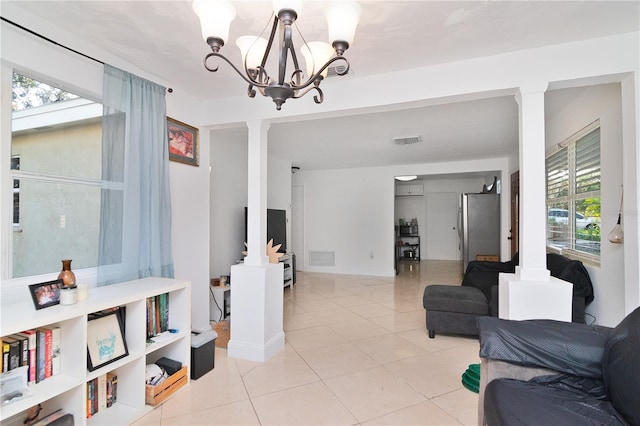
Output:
x=356 y=352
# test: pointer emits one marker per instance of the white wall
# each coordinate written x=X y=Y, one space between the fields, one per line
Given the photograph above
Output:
x=229 y=196
x=601 y=102
x=349 y=212
x=352 y=212
x=189 y=185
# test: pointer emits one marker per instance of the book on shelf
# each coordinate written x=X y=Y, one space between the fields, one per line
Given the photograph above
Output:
x=56 y=362
x=24 y=348
x=6 y=348
x=43 y=354
x=33 y=348
x=112 y=388
x=15 y=352
x=165 y=312
x=15 y=355
x=48 y=349
x=154 y=331
x=157 y=314
x=102 y=392
x=40 y=355
x=89 y=405
x=31 y=361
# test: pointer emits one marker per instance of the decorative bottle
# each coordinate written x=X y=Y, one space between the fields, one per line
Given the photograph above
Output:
x=66 y=275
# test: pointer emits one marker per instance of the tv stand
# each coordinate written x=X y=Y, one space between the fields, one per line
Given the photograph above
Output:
x=289 y=261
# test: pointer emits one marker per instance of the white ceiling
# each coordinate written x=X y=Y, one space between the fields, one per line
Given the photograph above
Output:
x=162 y=37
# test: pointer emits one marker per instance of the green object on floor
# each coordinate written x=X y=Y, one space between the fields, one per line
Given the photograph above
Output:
x=471 y=378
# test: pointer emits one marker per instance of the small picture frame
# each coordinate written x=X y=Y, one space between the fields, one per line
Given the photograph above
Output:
x=105 y=340
x=183 y=142
x=45 y=294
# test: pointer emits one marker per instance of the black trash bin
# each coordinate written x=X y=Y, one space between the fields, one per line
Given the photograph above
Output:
x=203 y=352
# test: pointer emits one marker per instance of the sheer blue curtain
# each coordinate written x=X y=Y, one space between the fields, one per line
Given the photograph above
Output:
x=135 y=220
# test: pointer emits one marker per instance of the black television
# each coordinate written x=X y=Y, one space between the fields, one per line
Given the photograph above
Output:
x=276 y=227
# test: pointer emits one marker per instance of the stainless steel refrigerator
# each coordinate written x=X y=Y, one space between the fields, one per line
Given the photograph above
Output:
x=479 y=226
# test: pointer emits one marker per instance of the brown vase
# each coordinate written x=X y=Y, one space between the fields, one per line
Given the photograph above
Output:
x=66 y=275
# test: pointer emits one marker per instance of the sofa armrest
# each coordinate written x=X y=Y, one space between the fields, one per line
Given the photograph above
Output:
x=493 y=369
x=565 y=347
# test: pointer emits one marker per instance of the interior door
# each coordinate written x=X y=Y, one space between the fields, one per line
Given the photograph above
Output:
x=441 y=240
x=515 y=212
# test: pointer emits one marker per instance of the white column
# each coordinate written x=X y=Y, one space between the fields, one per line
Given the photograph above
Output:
x=531 y=293
x=257 y=194
x=533 y=260
x=257 y=286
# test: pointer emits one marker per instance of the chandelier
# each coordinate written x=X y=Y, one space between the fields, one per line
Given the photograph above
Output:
x=342 y=17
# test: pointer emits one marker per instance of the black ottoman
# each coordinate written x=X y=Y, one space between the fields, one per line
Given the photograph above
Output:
x=453 y=309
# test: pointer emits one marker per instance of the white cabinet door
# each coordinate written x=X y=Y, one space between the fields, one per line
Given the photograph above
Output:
x=402 y=190
x=406 y=190
x=416 y=189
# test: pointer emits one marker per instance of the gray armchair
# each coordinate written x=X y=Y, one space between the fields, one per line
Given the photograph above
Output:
x=544 y=372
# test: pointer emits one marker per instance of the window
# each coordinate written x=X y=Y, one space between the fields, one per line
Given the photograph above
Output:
x=573 y=191
x=56 y=177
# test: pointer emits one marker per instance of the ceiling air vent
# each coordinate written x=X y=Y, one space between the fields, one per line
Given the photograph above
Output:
x=333 y=70
x=407 y=140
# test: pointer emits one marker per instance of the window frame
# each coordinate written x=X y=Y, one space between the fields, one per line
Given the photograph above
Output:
x=573 y=196
x=8 y=175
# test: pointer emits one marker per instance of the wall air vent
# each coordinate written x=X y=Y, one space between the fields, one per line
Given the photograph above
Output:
x=322 y=258
x=409 y=140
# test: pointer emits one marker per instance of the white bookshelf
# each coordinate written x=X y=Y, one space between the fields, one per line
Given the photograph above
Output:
x=288 y=261
x=67 y=390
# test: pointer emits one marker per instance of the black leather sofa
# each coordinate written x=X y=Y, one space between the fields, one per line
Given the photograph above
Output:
x=455 y=309
x=543 y=372
x=483 y=275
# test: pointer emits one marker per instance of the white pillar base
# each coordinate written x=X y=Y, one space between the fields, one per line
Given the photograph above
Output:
x=256 y=312
x=528 y=299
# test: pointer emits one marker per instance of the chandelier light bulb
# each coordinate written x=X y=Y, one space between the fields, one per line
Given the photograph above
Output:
x=215 y=18
x=316 y=54
x=343 y=18
x=252 y=49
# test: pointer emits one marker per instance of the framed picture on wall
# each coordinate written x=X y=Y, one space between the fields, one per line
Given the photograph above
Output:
x=183 y=142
